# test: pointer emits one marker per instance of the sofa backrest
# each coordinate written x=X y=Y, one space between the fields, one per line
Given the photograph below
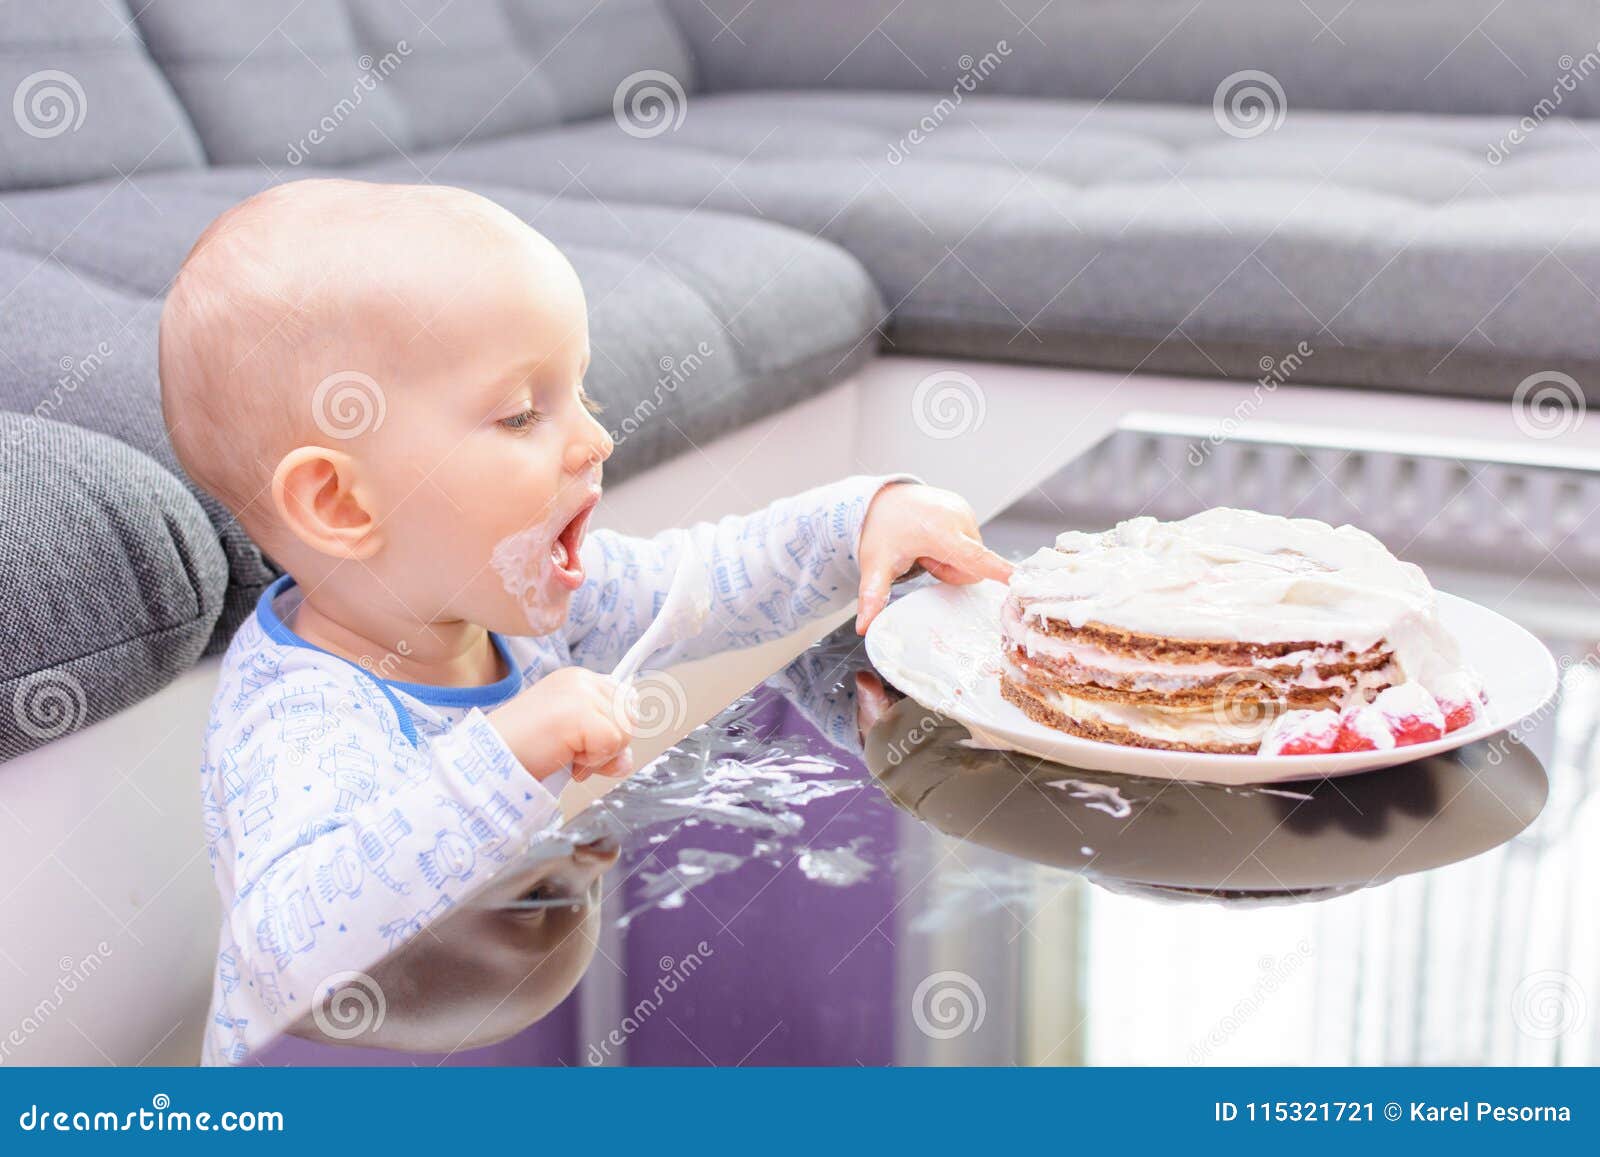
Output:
x=1440 y=56
x=331 y=81
x=82 y=98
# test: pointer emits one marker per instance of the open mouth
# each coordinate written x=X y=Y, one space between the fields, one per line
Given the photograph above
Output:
x=564 y=549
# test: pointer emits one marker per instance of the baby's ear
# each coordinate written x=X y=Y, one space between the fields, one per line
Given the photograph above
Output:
x=319 y=497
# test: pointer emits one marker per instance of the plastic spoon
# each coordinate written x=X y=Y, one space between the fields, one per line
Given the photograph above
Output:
x=682 y=614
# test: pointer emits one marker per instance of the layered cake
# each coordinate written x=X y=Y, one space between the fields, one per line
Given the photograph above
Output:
x=1231 y=632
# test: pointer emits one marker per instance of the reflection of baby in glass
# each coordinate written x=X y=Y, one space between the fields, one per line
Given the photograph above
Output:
x=488 y=969
x=385 y=385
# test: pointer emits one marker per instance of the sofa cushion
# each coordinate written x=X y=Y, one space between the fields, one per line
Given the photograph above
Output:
x=114 y=579
x=1440 y=56
x=766 y=315
x=287 y=82
x=82 y=352
x=703 y=322
x=85 y=101
x=1402 y=249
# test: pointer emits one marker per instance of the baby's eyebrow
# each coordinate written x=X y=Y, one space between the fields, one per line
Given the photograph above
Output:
x=505 y=383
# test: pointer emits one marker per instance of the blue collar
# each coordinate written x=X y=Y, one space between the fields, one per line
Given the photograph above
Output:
x=485 y=696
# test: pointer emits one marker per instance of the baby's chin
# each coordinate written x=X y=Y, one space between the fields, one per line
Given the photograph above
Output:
x=542 y=615
x=539 y=568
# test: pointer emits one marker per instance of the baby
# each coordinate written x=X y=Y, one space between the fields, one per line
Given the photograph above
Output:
x=385 y=385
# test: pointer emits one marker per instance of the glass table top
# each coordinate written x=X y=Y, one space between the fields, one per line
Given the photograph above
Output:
x=826 y=873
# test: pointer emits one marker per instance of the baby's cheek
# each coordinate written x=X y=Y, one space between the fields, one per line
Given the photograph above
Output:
x=526 y=571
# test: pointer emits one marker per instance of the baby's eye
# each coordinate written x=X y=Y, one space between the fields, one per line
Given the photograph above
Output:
x=589 y=403
x=528 y=417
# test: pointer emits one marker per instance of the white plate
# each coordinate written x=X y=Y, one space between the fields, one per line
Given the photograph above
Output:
x=941 y=646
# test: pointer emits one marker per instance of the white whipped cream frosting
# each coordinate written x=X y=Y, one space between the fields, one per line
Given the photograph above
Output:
x=1238 y=575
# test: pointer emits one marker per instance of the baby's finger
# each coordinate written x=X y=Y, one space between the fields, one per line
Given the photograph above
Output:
x=872 y=701
x=875 y=582
x=602 y=735
x=946 y=573
x=604 y=762
x=617 y=767
x=969 y=559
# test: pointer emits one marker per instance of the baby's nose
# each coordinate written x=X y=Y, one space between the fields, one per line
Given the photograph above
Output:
x=589 y=452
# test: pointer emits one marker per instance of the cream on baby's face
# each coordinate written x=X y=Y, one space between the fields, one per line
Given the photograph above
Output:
x=487 y=465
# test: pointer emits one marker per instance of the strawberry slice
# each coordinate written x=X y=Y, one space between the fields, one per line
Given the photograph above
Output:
x=1411 y=730
x=1307 y=745
x=1460 y=696
x=1398 y=716
x=1411 y=714
x=1302 y=733
x=1364 y=729
x=1457 y=714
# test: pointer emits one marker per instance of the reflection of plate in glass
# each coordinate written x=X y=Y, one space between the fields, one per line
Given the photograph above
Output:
x=1207 y=841
x=941 y=646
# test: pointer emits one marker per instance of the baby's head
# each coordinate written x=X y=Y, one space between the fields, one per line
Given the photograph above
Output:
x=385 y=385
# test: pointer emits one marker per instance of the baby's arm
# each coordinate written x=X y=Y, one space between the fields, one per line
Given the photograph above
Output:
x=337 y=838
x=770 y=572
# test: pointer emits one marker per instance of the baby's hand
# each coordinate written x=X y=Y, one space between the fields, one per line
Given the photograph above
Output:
x=571 y=716
x=910 y=524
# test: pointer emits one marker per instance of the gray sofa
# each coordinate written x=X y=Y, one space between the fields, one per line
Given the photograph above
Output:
x=1406 y=186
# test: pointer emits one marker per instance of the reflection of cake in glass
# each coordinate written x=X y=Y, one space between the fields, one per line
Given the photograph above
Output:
x=1232 y=632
